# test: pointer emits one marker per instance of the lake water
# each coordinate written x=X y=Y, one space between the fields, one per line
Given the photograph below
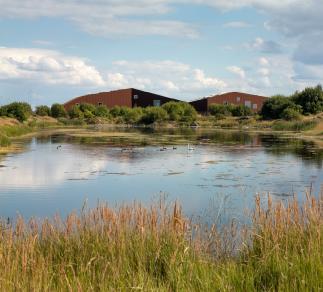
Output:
x=57 y=173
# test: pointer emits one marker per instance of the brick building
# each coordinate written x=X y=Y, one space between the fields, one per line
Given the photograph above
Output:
x=255 y=102
x=124 y=97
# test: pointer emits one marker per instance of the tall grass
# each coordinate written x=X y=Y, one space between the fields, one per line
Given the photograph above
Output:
x=294 y=125
x=158 y=249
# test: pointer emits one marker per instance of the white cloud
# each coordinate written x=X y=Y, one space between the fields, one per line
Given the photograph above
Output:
x=264 y=46
x=104 y=18
x=237 y=71
x=236 y=24
x=47 y=66
x=167 y=77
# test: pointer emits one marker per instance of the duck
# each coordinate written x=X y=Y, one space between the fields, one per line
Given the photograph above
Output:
x=189 y=148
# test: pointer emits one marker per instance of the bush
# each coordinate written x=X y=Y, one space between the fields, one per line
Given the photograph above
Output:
x=241 y=111
x=310 y=99
x=153 y=114
x=180 y=111
x=75 y=112
x=17 y=110
x=101 y=111
x=43 y=110
x=133 y=116
x=58 y=111
x=220 y=110
x=274 y=107
x=291 y=113
x=87 y=108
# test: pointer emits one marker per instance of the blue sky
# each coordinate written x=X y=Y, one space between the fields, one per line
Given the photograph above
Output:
x=54 y=50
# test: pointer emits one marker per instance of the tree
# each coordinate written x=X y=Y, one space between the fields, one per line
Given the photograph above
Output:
x=274 y=106
x=310 y=99
x=75 y=112
x=42 y=110
x=101 y=111
x=180 y=111
x=17 y=110
x=58 y=111
x=153 y=114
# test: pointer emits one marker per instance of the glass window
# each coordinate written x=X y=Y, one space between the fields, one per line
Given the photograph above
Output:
x=254 y=106
x=238 y=98
x=156 y=102
x=135 y=96
x=247 y=103
x=225 y=102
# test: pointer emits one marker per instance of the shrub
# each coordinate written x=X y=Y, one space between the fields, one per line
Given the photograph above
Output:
x=133 y=116
x=274 y=107
x=241 y=111
x=220 y=110
x=43 y=110
x=291 y=113
x=101 y=111
x=58 y=111
x=75 y=112
x=310 y=99
x=153 y=114
x=87 y=108
x=17 y=110
x=180 y=111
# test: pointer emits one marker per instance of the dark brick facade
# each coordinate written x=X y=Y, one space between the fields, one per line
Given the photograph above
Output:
x=255 y=102
x=125 y=97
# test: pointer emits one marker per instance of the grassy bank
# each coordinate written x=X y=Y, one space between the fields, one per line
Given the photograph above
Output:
x=158 y=249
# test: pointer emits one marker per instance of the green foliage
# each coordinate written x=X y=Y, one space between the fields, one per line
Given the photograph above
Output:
x=180 y=111
x=292 y=113
x=4 y=141
x=220 y=110
x=101 y=111
x=58 y=111
x=241 y=111
x=153 y=114
x=75 y=112
x=225 y=110
x=294 y=125
x=87 y=108
x=274 y=107
x=43 y=110
x=17 y=110
x=132 y=116
x=310 y=99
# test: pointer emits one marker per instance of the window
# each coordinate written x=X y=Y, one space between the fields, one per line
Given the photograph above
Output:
x=247 y=103
x=225 y=102
x=135 y=96
x=254 y=106
x=156 y=102
x=238 y=98
x=99 y=103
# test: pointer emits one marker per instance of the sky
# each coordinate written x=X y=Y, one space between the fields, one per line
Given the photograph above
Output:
x=54 y=50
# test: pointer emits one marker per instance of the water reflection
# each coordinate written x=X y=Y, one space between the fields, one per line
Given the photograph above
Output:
x=226 y=166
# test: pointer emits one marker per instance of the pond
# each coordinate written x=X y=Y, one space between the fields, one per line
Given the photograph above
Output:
x=207 y=171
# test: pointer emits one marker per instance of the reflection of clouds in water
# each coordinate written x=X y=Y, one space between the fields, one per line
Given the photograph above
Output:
x=48 y=166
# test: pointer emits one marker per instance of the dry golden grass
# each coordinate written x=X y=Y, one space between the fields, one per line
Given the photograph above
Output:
x=157 y=249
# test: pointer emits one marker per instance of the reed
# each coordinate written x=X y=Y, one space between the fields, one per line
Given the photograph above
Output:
x=156 y=248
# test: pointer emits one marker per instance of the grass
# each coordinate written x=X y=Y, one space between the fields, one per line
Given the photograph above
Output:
x=157 y=249
x=305 y=125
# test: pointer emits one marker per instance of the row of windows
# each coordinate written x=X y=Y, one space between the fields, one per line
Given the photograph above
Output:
x=247 y=103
